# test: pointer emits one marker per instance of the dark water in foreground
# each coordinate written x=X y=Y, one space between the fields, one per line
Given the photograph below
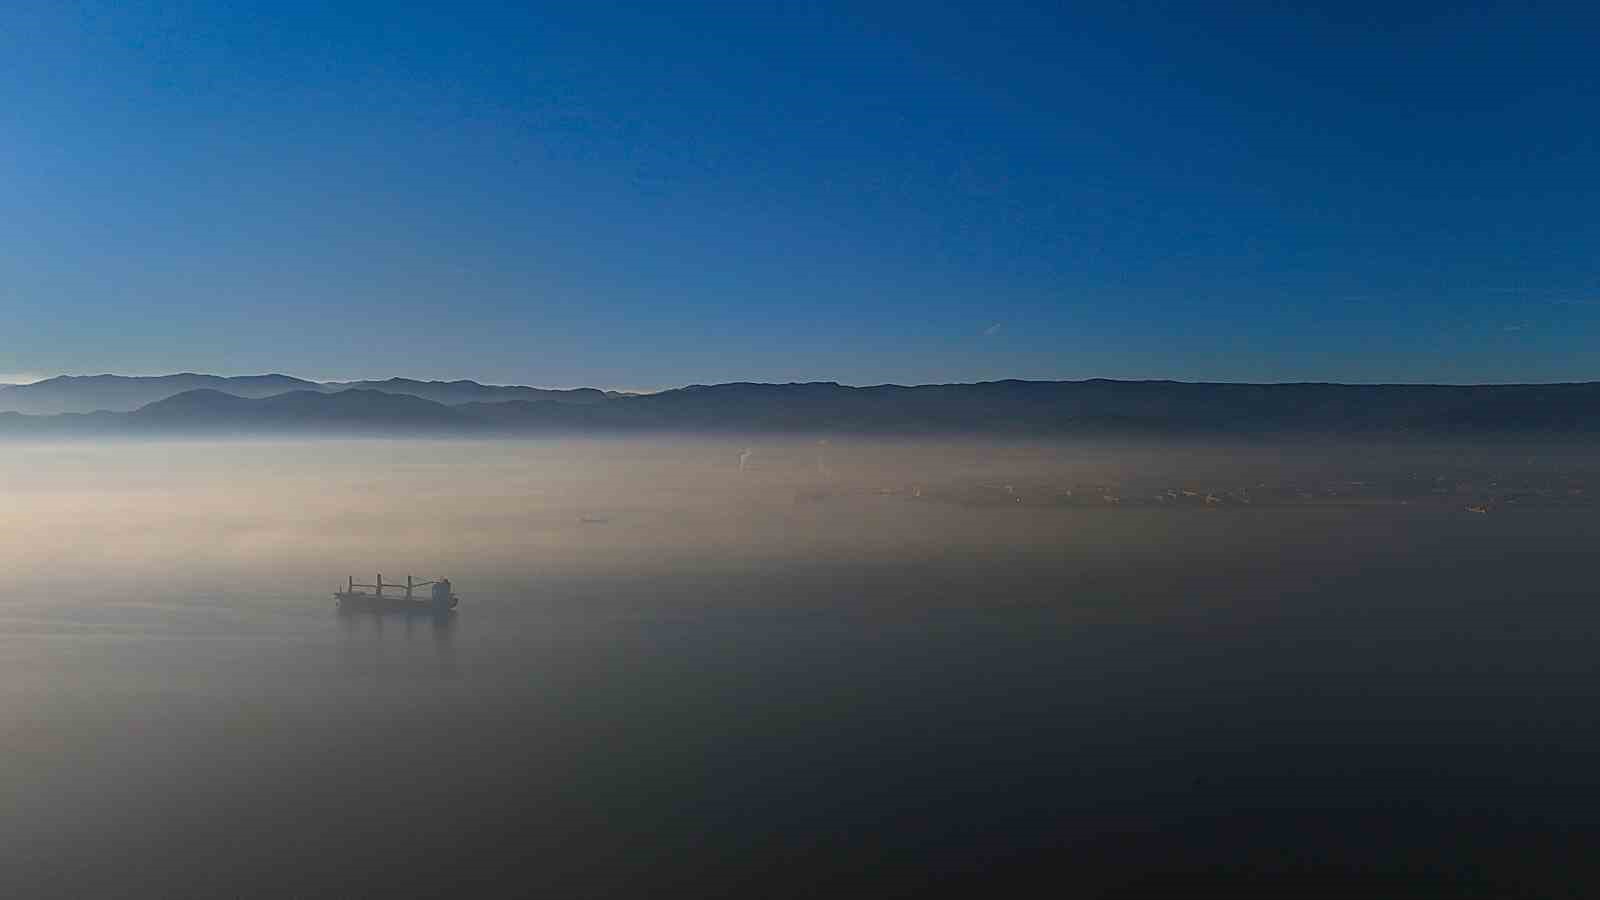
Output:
x=1389 y=701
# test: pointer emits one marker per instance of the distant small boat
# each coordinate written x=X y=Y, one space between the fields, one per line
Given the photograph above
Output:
x=1478 y=509
x=440 y=600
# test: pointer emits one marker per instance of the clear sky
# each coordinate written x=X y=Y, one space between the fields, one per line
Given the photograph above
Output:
x=643 y=195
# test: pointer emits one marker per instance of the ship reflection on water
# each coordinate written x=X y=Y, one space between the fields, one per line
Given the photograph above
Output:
x=363 y=630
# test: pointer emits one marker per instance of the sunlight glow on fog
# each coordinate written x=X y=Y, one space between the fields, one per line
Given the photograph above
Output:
x=305 y=514
x=283 y=522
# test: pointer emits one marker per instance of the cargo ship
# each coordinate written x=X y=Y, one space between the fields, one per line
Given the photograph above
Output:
x=440 y=599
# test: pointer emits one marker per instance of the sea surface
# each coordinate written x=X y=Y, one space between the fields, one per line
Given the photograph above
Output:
x=823 y=668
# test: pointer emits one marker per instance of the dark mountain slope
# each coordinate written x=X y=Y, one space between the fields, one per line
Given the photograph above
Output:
x=353 y=410
x=452 y=393
x=1089 y=406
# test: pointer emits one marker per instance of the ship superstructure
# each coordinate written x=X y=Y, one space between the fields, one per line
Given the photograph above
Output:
x=439 y=601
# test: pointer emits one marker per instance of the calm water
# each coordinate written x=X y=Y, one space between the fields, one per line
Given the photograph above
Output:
x=663 y=676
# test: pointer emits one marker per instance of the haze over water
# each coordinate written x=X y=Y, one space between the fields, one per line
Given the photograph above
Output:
x=826 y=665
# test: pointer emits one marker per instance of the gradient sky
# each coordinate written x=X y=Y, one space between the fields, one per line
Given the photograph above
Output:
x=655 y=194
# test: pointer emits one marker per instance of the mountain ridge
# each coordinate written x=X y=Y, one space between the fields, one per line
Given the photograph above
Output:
x=296 y=409
x=126 y=393
x=1011 y=407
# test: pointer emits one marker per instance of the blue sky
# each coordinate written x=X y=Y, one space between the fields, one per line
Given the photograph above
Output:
x=656 y=194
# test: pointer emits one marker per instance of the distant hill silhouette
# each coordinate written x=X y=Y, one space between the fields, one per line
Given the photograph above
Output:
x=998 y=407
x=121 y=393
x=346 y=410
x=452 y=393
x=125 y=393
x=1097 y=406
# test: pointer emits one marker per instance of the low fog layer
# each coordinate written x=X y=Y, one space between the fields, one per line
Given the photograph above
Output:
x=284 y=522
